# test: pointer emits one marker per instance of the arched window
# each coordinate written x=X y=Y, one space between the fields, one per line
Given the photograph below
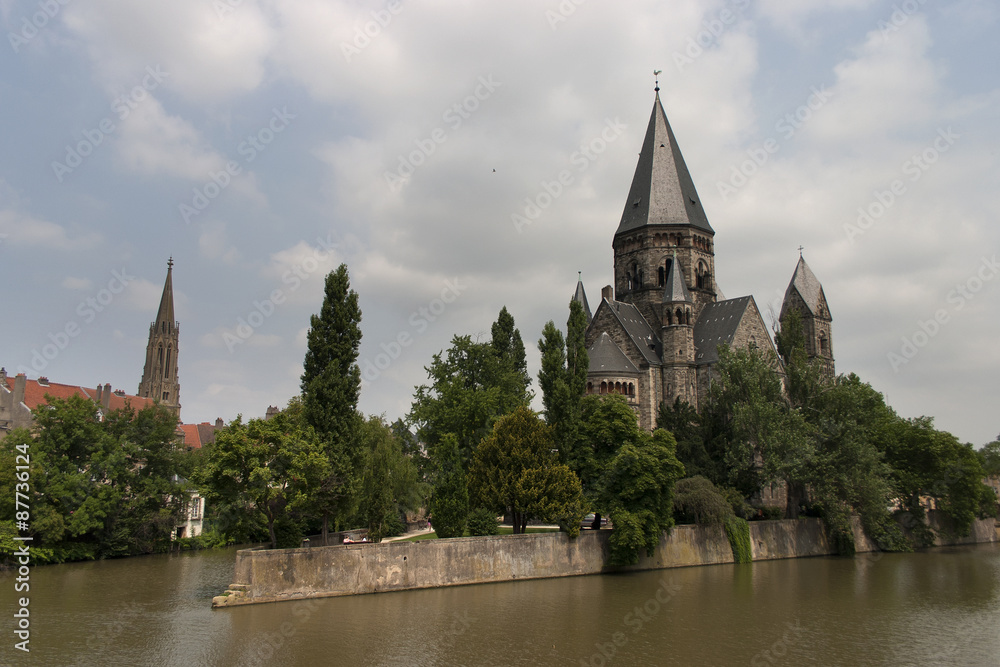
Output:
x=604 y=387
x=662 y=276
x=631 y=389
x=704 y=278
x=166 y=367
x=822 y=345
x=590 y=387
x=159 y=356
x=680 y=316
x=669 y=318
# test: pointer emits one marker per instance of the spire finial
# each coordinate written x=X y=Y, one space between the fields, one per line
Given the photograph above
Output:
x=657 y=73
x=579 y=276
x=801 y=248
x=170 y=263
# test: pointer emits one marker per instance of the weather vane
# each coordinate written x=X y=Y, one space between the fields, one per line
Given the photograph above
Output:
x=657 y=73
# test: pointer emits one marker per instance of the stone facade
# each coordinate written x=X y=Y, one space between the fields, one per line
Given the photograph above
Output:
x=160 y=381
x=663 y=312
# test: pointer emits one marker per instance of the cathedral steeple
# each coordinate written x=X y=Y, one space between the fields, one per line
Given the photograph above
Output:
x=159 y=375
x=581 y=295
x=805 y=295
x=663 y=224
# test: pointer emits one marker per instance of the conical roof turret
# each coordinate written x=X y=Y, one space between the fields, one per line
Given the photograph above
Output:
x=580 y=295
x=166 y=311
x=675 y=290
x=662 y=191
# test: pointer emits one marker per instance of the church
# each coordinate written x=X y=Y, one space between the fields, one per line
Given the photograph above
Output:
x=655 y=335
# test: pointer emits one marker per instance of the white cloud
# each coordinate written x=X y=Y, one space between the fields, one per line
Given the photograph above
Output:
x=69 y=282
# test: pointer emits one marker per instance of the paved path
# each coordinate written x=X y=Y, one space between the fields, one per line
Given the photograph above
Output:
x=406 y=536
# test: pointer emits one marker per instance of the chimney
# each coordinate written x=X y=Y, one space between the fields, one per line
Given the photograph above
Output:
x=106 y=396
x=43 y=381
x=20 y=382
x=3 y=377
x=608 y=292
x=218 y=422
x=99 y=391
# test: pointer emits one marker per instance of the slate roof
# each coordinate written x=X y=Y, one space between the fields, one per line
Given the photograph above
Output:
x=606 y=357
x=675 y=290
x=716 y=325
x=166 y=310
x=805 y=282
x=581 y=296
x=662 y=191
x=638 y=330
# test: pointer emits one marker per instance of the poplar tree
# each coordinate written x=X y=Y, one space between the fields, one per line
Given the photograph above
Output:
x=331 y=384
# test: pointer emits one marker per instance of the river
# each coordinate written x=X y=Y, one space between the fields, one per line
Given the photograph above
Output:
x=936 y=607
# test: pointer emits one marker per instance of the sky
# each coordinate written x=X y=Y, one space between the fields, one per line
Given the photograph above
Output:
x=262 y=143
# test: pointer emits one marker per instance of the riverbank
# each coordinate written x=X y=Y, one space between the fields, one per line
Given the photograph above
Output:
x=295 y=574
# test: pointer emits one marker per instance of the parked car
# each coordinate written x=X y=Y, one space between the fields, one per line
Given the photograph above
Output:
x=588 y=521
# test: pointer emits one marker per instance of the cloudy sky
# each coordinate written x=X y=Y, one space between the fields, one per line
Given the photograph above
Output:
x=262 y=142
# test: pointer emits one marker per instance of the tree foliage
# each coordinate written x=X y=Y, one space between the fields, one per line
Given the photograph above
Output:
x=390 y=486
x=697 y=500
x=563 y=378
x=99 y=488
x=331 y=384
x=515 y=471
x=449 y=502
x=269 y=467
x=470 y=387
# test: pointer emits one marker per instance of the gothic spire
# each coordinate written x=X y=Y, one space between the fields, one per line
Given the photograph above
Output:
x=581 y=296
x=675 y=289
x=662 y=191
x=166 y=311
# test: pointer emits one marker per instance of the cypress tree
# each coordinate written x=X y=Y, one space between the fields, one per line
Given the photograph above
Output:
x=331 y=383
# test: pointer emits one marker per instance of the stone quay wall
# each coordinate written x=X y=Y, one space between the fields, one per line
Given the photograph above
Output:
x=274 y=575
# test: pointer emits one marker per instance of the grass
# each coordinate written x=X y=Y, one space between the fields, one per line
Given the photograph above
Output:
x=504 y=530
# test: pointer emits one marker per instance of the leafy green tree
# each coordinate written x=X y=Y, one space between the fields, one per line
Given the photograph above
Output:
x=449 y=502
x=483 y=522
x=331 y=384
x=471 y=386
x=271 y=467
x=989 y=458
x=684 y=422
x=697 y=500
x=515 y=471
x=637 y=491
x=563 y=378
x=389 y=483
x=511 y=363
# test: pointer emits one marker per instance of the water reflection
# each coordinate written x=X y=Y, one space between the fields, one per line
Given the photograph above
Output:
x=936 y=607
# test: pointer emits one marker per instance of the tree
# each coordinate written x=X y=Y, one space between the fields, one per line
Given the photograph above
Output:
x=272 y=467
x=471 y=386
x=449 y=503
x=696 y=500
x=331 y=384
x=515 y=471
x=100 y=488
x=637 y=492
x=563 y=378
x=389 y=486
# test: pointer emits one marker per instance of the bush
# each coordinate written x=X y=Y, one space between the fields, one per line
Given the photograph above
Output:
x=393 y=525
x=288 y=534
x=697 y=500
x=741 y=507
x=483 y=522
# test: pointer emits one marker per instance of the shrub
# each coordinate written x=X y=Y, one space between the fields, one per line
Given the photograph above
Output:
x=483 y=522
x=697 y=500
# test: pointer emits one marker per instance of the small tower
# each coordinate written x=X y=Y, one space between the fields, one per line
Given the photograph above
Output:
x=159 y=376
x=581 y=296
x=805 y=295
x=677 y=333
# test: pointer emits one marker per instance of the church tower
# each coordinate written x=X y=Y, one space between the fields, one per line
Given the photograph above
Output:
x=159 y=376
x=805 y=295
x=663 y=220
x=677 y=334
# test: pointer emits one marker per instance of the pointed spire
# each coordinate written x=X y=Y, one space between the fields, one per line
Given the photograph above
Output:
x=675 y=290
x=662 y=191
x=166 y=311
x=805 y=282
x=581 y=296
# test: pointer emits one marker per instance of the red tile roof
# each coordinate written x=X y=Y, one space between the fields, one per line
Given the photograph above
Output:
x=35 y=392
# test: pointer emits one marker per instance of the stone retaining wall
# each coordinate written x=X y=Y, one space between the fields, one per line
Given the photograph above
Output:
x=292 y=574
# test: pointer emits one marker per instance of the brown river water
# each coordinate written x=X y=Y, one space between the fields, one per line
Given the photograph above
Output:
x=936 y=607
